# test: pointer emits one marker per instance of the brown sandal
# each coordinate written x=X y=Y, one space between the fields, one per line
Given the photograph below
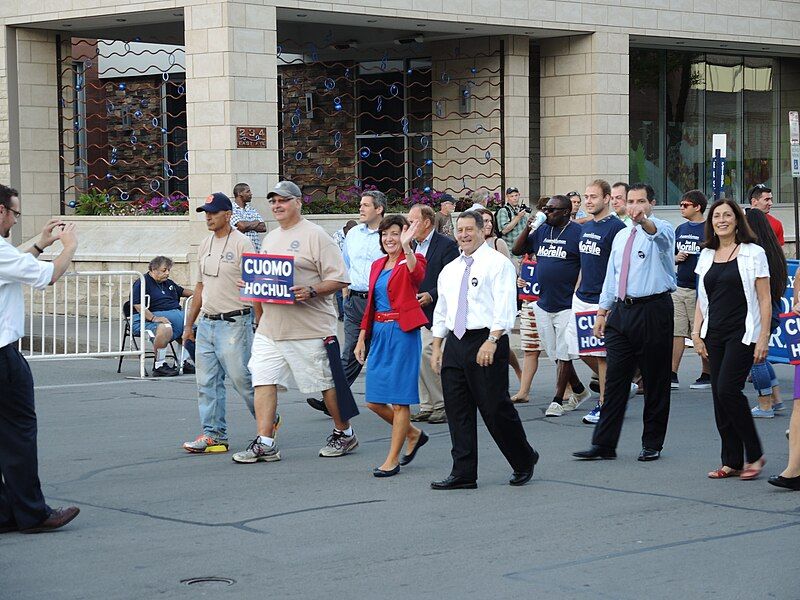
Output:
x=722 y=474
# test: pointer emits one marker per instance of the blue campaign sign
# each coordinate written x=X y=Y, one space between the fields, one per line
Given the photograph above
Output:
x=778 y=346
x=528 y=273
x=587 y=343
x=790 y=329
x=267 y=278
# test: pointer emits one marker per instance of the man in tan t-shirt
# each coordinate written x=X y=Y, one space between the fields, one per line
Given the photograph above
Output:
x=225 y=329
x=289 y=339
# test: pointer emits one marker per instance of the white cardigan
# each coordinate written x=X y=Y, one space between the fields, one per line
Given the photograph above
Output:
x=752 y=263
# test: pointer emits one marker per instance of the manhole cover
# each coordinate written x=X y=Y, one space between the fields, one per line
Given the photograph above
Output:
x=208 y=581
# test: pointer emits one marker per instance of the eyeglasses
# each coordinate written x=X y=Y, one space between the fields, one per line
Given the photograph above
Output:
x=686 y=205
x=17 y=213
x=549 y=209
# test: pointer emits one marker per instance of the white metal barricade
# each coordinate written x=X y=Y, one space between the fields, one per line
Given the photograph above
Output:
x=81 y=316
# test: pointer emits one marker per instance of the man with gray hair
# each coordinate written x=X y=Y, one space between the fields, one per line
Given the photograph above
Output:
x=480 y=200
x=162 y=314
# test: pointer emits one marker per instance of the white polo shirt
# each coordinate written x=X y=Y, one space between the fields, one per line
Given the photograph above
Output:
x=18 y=269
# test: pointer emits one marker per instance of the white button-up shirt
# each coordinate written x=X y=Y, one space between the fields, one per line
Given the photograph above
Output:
x=17 y=269
x=491 y=293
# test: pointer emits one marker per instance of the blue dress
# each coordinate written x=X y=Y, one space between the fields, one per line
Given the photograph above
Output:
x=394 y=355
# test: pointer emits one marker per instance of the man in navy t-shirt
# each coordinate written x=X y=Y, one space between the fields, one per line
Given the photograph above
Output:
x=555 y=244
x=595 y=248
x=162 y=314
x=689 y=237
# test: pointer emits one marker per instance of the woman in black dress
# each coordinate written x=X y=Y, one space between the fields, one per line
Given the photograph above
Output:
x=731 y=329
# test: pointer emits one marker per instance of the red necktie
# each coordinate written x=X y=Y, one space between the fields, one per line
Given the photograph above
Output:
x=626 y=265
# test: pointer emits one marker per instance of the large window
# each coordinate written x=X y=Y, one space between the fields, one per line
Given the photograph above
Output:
x=679 y=100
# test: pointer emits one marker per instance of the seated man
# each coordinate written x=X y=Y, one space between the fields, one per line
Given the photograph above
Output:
x=163 y=315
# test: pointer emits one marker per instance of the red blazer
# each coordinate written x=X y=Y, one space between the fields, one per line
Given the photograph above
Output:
x=402 y=287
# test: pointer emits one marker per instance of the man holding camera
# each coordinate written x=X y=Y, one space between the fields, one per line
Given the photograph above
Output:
x=511 y=217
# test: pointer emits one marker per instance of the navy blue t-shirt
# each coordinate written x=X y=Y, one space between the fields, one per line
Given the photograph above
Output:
x=558 y=263
x=595 y=247
x=163 y=296
x=689 y=238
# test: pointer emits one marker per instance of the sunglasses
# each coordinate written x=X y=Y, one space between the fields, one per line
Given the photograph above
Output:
x=549 y=209
x=686 y=205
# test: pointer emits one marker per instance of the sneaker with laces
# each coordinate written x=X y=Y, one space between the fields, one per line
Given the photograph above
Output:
x=257 y=452
x=339 y=444
x=762 y=414
x=702 y=383
x=554 y=410
x=575 y=400
x=673 y=382
x=165 y=371
x=593 y=416
x=206 y=444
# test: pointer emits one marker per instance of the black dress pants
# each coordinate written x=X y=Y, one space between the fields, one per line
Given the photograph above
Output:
x=21 y=501
x=467 y=387
x=354 y=308
x=637 y=335
x=730 y=361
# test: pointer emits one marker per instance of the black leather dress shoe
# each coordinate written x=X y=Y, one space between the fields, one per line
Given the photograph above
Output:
x=58 y=518
x=648 y=454
x=454 y=483
x=596 y=453
x=789 y=483
x=523 y=477
x=407 y=458
x=378 y=472
x=317 y=404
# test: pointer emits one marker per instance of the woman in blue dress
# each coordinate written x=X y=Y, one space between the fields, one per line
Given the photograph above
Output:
x=392 y=320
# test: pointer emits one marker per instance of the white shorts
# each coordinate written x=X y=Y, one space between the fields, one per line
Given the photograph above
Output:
x=276 y=362
x=579 y=305
x=553 y=332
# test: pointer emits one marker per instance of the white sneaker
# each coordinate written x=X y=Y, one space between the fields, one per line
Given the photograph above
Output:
x=632 y=393
x=554 y=410
x=575 y=400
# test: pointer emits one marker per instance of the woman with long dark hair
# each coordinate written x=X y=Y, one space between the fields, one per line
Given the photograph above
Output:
x=763 y=375
x=731 y=329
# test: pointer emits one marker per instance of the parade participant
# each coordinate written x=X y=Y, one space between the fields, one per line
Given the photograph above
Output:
x=636 y=317
x=596 y=238
x=339 y=237
x=558 y=264
x=163 y=316
x=689 y=238
x=619 y=201
x=761 y=198
x=438 y=250
x=762 y=374
x=290 y=339
x=392 y=320
x=477 y=307
x=246 y=218
x=22 y=504
x=732 y=330
x=225 y=326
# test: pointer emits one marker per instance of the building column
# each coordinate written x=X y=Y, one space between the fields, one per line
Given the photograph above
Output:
x=231 y=80
x=584 y=110
x=516 y=114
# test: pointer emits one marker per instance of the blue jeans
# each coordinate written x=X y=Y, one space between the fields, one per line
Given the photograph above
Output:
x=764 y=378
x=222 y=351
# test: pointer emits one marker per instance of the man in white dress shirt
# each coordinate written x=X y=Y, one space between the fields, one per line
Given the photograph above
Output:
x=22 y=505
x=476 y=308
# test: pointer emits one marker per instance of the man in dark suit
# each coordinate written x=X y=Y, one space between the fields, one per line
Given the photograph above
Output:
x=438 y=250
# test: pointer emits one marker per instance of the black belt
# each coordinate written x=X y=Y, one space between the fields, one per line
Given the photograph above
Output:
x=359 y=294
x=628 y=301
x=228 y=316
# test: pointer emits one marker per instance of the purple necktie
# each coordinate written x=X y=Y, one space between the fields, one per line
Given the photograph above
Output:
x=460 y=327
x=626 y=265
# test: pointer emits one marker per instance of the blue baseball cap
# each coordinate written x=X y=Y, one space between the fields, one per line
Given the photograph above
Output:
x=216 y=202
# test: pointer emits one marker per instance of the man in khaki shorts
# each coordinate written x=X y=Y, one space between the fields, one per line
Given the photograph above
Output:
x=289 y=339
x=225 y=330
x=689 y=238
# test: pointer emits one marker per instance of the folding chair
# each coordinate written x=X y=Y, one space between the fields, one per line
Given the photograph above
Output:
x=127 y=315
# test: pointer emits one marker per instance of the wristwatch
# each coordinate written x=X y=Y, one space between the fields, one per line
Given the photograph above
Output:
x=312 y=292
x=492 y=338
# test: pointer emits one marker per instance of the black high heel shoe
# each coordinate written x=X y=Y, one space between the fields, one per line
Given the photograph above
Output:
x=789 y=483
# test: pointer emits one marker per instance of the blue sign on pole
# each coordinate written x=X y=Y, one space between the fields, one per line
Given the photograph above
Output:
x=531 y=289
x=267 y=278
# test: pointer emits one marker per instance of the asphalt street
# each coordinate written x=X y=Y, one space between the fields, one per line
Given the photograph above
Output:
x=153 y=516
